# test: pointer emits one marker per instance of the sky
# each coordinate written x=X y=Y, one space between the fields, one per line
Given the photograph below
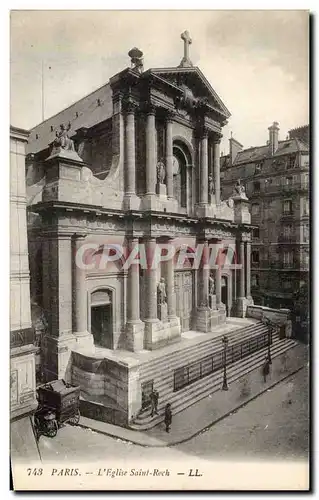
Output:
x=256 y=61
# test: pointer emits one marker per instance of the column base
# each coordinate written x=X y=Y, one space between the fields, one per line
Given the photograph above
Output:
x=131 y=202
x=242 y=303
x=84 y=340
x=158 y=333
x=203 y=210
x=134 y=335
x=57 y=356
x=151 y=202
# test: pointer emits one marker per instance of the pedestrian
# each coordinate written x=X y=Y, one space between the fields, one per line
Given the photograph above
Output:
x=266 y=369
x=154 y=402
x=168 y=417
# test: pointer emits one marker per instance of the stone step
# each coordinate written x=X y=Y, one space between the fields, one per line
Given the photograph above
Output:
x=208 y=385
x=202 y=382
x=232 y=336
x=190 y=354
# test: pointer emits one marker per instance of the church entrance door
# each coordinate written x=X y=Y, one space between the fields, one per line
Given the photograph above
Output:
x=224 y=294
x=101 y=325
x=184 y=290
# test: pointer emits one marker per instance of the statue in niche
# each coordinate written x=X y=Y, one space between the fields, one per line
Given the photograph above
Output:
x=161 y=292
x=161 y=172
x=211 y=285
x=62 y=139
x=239 y=190
x=211 y=187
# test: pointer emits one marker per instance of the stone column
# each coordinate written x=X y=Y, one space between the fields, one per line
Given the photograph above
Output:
x=130 y=185
x=242 y=270
x=150 y=152
x=218 y=286
x=79 y=290
x=169 y=156
x=170 y=290
x=150 y=283
x=134 y=326
x=203 y=194
x=248 y=258
x=216 y=168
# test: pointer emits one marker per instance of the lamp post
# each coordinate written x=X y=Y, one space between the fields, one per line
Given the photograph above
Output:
x=269 y=326
x=225 y=342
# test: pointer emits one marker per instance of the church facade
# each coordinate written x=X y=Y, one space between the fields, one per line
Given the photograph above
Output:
x=134 y=257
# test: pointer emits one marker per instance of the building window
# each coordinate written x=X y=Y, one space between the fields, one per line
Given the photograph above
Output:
x=288 y=230
x=288 y=181
x=306 y=180
x=256 y=186
x=288 y=259
x=305 y=206
x=258 y=167
x=254 y=280
x=255 y=257
x=256 y=232
x=287 y=284
x=291 y=162
x=305 y=233
x=255 y=209
x=287 y=207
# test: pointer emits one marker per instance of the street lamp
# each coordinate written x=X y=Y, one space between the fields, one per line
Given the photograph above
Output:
x=269 y=326
x=225 y=342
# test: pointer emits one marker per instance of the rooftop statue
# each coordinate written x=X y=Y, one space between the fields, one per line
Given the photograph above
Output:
x=239 y=190
x=62 y=139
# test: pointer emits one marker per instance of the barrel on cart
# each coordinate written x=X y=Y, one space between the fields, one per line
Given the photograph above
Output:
x=59 y=403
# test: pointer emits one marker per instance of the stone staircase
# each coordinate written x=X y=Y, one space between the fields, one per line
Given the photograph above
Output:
x=202 y=388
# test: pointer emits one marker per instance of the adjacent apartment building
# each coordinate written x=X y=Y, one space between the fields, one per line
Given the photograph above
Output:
x=276 y=179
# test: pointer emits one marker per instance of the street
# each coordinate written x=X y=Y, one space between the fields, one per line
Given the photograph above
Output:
x=273 y=426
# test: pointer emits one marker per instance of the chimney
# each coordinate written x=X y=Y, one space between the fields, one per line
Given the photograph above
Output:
x=234 y=148
x=273 y=137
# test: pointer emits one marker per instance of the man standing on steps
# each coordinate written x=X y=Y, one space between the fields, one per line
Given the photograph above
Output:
x=168 y=417
x=154 y=402
x=266 y=368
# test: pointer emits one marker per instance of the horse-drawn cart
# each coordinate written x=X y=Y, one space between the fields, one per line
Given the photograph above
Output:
x=58 y=403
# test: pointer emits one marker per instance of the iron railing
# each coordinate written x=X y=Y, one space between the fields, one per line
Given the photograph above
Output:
x=188 y=374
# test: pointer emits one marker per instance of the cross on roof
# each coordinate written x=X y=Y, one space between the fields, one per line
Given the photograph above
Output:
x=185 y=36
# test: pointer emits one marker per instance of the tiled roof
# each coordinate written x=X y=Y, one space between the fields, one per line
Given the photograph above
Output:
x=88 y=111
x=259 y=153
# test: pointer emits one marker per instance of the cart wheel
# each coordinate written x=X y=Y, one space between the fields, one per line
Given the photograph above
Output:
x=75 y=420
x=53 y=432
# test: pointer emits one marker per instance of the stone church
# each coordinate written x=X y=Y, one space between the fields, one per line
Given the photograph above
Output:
x=134 y=164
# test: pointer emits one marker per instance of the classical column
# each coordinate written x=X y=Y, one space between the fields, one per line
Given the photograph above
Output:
x=216 y=168
x=150 y=283
x=150 y=152
x=204 y=276
x=79 y=289
x=133 y=288
x=169 y=155
x=130 y=185
x=248 y=258
x=242 y=270
x=218 y=286
x=170 y=290
x=203 y=195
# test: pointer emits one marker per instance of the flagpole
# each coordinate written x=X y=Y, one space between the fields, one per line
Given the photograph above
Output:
x=42 y=89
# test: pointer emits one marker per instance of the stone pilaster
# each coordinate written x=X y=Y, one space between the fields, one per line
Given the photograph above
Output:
x=216 y=169
x=57 y=287
x=169 y=156
x=134 y=326
x=203 y=314
x=242 y=301
x=84 y=339
x=170 y=290
x=218 y=286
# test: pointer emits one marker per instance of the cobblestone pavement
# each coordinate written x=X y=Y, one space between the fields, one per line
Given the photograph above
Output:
x=275 y=425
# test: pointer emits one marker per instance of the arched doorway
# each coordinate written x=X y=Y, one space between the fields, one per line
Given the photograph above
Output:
x=226 y=293
x=182 y=175
x=102 y=318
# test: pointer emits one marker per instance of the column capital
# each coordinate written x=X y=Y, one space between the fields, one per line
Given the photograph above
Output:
x=150 y=109
x=169 y=116
x=129 y=106
x=216 y=139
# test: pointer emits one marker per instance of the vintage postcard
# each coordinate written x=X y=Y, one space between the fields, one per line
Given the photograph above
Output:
x=159 y=217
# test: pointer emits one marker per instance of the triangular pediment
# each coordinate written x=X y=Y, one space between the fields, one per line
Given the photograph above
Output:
x=194 y=80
